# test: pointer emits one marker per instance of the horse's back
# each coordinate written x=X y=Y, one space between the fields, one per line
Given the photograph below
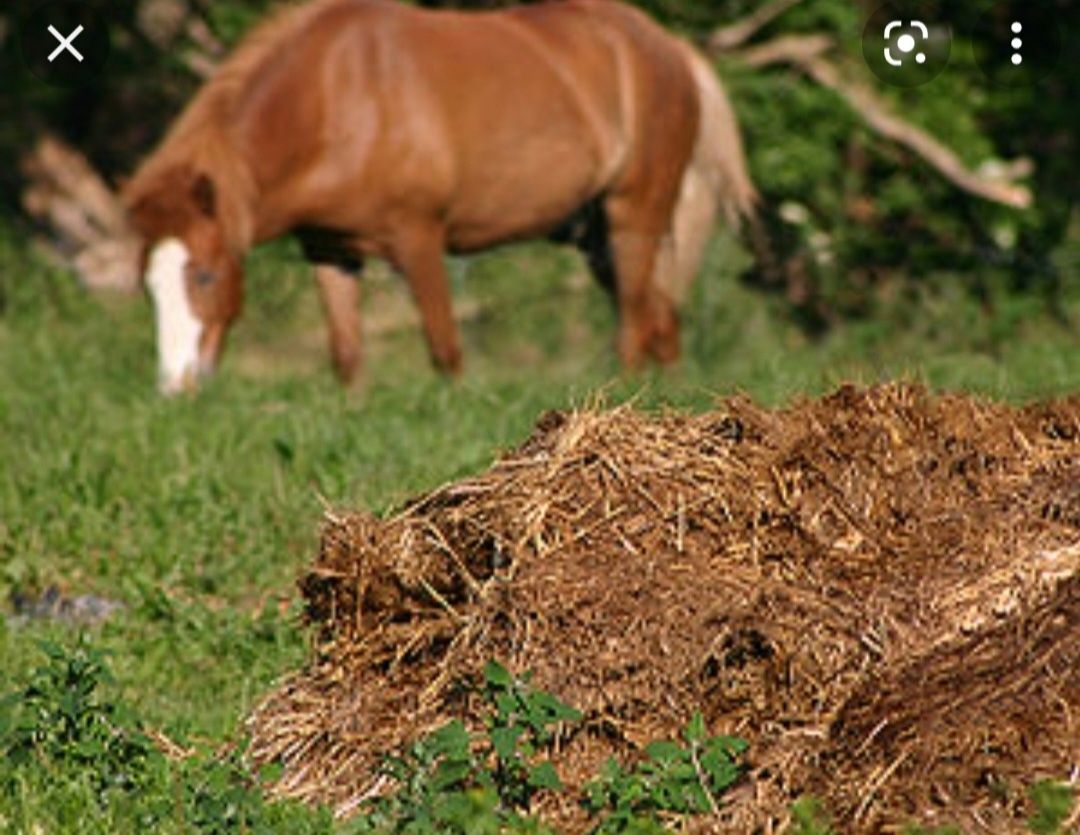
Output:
x=569 y=100
x=502 y=122
x=665 y=113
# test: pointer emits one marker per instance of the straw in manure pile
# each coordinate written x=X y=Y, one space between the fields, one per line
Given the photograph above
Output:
x=853 y=584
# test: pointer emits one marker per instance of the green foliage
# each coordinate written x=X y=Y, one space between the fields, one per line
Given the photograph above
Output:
x=522 y=723
x=62 y=735
x=457 y=782
x=1053 y=804
x=452 y=781
x=229 y=21
x=808 y=817
x=59 y=720
x=220 y=796
x=682 y=779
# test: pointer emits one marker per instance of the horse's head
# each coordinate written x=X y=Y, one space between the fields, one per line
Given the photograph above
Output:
x=193 y=275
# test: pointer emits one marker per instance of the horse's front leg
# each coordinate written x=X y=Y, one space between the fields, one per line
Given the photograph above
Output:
x=340 y=294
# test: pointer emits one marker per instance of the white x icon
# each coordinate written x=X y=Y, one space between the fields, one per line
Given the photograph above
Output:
x=65 y=43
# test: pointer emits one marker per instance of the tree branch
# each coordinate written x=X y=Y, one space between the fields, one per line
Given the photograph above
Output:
x=59 y=172
x=786 y=49
x=203 y=59
x=737 y=33
x=806 y=53
x=88 y=224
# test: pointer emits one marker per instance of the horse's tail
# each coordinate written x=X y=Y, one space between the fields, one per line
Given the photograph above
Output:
x=716 y=181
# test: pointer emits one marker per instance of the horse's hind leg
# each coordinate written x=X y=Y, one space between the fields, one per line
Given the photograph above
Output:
x=340 y=295
x=417 y=252
x=648 y=323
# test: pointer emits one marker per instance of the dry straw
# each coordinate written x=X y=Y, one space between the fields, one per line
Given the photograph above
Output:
x=878 y=589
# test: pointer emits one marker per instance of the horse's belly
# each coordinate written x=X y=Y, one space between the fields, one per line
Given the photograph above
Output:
x=515 y=209
x=519 y=181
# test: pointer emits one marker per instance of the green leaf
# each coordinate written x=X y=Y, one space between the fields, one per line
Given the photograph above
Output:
x=808 y=817
x=731 y=745
x=450 y=774
x=544 y=776
x=54 y=651
x=664 y=752
x=505 y=705
x=1053 y=803
x=451 y=740
x=504 y=741
x=556 y=709
x=497 y=676
x=695 y=730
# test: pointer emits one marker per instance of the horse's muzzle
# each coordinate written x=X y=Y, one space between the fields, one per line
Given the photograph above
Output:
x=188 y=381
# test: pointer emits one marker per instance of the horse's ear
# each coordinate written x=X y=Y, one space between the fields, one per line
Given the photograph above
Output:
x=205 y=195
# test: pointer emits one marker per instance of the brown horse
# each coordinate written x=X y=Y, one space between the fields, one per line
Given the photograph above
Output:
x=371 y=128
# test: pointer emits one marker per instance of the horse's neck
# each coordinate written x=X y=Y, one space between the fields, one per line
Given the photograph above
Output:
x=236 y=189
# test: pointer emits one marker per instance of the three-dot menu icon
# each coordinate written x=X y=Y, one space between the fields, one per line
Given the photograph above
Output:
x=1016 y=43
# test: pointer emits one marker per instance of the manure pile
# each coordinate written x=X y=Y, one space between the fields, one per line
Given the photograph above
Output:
x=879 y=590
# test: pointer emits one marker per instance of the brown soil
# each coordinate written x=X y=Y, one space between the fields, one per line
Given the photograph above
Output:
x=879 y=590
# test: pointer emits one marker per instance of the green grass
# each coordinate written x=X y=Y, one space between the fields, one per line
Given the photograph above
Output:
x=199 y=512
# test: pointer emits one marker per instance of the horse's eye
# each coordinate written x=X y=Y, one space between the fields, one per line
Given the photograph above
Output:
x=203 y=276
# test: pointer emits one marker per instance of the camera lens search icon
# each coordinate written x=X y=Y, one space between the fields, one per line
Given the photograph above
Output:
x=905 y=48
x=905 y=44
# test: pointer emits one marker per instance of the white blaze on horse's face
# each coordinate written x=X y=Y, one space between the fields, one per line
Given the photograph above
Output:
x=178 y=328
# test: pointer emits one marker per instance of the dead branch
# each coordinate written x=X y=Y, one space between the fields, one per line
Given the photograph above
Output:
x=786 y=49
x=202 y=65
x=737 y=33
x=203 y=59
x=160 y=21
x=948 y=164
x=57 y=169
x=85 y=217
x=806 y=53
x=163 y=22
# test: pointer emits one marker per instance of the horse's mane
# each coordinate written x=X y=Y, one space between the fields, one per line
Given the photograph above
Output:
x=200 y=142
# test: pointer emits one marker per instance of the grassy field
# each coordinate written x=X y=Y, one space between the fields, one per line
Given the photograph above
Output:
x=197 y=513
